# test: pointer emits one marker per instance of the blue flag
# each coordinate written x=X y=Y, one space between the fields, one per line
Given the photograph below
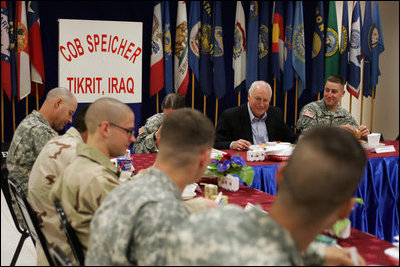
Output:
x=252 y=45
x=344 y=42
x=288 y=67
x=194 y=37
x=263 y=42
x=168 y=58
x=218 y=52
x=318 y=51
x=13 y=56
x=298 y=55
x=355 y=52
x=377 y=45
x=366 y=49
x=205 y=49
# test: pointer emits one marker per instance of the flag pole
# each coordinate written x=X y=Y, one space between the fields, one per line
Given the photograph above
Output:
x=318 y=97
x=26 y=105
x=372 y=108
x=157 y=103
x=37 y=97
x=192 y=90
x=204 y=104
x=13 y=112
x=295 y=105
x=362 y=100
x=239 y=99
x=216 y=112
x=2 y=117
x=285 y=106
x=350 y=103
x=274 y=91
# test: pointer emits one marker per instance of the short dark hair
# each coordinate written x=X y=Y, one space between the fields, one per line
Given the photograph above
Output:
x=336 y=79
x=80 y=124
x=173 y=101
x=324 y=171
x=184 y=134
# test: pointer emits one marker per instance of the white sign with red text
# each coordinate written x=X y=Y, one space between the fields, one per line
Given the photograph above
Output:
x=101 y=59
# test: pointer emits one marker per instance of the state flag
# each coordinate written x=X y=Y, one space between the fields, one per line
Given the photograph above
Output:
x=181 y=50
x=239 y=49
x=157 y=53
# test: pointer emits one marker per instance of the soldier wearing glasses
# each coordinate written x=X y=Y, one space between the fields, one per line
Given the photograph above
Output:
x=84 y=184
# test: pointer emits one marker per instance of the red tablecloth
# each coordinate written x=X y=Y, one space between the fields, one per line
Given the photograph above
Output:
x=142 y=161
x=370 y=247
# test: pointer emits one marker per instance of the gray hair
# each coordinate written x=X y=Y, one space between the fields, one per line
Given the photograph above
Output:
x=259 y=83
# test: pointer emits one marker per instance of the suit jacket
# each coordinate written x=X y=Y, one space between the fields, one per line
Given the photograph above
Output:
x=235 y=124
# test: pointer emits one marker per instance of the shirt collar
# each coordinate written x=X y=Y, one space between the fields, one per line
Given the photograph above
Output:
x=252 y=117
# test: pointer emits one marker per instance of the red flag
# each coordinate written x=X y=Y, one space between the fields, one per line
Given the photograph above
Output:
x=157 y=52
x=35 y=46
x=23 y=66
x=181 y=50
x=5 y=51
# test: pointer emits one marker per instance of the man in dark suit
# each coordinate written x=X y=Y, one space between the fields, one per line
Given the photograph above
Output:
x=254 y=122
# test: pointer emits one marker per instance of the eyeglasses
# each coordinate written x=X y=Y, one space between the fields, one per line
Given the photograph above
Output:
x=259 y=100
x=128 y=131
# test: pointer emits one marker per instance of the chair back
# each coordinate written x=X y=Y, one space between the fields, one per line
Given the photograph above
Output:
x=72 y=238
x=59 y=257
x=30 y=218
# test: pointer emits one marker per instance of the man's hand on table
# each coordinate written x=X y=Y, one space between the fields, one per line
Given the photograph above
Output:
x=241 y=145
x=341 y=257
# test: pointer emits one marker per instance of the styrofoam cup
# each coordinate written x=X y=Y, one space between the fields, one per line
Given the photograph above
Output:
x=373 y=139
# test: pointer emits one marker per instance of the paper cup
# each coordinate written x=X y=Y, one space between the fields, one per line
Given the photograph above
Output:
x=373 y=139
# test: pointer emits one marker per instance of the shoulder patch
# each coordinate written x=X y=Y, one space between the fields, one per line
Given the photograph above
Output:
x=309 y=114
x=141 y=130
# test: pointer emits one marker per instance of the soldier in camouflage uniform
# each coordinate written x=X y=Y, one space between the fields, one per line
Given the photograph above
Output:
x=91 y=176
x=148 y=135
x=58 y=153
x=328 y=112
x=134 y=220
x=313 y=193
x=34 y=132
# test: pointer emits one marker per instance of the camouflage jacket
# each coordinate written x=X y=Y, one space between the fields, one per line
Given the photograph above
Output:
x=30 y=137
x=145 y=142
x=82 y=187
x=232 y=236
x=316 y=113
x=134 y=220
x=55 y=156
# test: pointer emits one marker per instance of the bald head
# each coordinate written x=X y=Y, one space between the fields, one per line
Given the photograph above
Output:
x=59 y=107
x=60 y=92
x=260 y=85
x=106 y=109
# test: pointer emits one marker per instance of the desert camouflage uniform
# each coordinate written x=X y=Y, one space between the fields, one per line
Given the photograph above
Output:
x=232 y=236
x=55 y=156
x=30 y=137
x=82 y=187
x=316 y=113
x=145 y=142
x=131 y=226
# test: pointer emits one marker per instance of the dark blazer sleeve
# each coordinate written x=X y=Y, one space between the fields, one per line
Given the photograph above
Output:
x=277 y=128
x=233 y=124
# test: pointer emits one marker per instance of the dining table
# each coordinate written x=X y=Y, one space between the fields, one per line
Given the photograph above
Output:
x=378 y=188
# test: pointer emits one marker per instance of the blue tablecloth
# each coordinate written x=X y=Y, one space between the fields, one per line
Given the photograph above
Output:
x=379 y=190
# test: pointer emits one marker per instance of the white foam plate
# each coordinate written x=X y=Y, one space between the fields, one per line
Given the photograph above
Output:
x=393 y=252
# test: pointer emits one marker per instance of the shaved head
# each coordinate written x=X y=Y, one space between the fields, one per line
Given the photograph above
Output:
x=59 y=92
x=106 y=109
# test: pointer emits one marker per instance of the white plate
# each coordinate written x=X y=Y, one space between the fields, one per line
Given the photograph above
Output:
x=188 y=195
x=393 y=252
